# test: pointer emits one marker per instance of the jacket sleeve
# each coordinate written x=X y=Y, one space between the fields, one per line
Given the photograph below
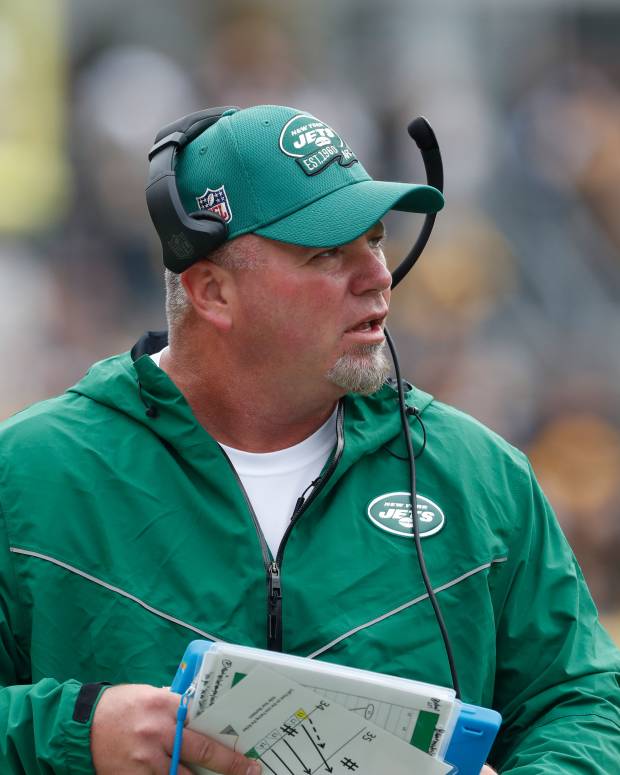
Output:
x=558 y=673
x=38 y=731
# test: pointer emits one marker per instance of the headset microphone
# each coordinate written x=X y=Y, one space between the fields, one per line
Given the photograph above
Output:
x=421 y=132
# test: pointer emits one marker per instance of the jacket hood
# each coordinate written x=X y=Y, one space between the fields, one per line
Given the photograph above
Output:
x=133 y=385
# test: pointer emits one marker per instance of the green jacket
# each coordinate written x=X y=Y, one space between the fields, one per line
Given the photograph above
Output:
x=125 y=534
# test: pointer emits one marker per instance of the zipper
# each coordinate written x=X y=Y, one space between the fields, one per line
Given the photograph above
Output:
x=274 y=619
x=274 y=609
x=273 y=566
x=274 y=589
x=303 y=503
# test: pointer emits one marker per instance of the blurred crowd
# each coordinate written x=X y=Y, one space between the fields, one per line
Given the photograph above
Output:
x=512 y=312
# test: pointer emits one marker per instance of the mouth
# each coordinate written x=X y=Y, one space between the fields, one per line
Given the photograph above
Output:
x=369 y=326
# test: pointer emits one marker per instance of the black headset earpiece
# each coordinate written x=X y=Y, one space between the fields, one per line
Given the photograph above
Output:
x=185 y=238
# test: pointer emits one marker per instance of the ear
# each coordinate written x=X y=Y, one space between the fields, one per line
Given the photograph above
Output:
x=211 y=291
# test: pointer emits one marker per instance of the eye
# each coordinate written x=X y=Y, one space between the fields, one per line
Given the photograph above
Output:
x=327 y=253
x=377 y=242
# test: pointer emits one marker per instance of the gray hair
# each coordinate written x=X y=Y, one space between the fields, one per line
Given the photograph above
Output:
x=240 y=253
x=177 y=303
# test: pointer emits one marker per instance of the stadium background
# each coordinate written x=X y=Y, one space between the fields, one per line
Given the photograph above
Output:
x=512 y=313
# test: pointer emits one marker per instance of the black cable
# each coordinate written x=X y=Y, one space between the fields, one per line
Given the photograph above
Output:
x=414 y=514
x=151 y=410
x=414 y=412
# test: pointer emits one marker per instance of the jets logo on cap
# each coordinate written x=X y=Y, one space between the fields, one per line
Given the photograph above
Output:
x=216 y=201
x=313 y=144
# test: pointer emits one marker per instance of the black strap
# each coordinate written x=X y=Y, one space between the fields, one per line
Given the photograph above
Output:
x=190 y=126
x=85 y=700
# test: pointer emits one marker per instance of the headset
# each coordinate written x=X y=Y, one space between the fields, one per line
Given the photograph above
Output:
x=187 y=238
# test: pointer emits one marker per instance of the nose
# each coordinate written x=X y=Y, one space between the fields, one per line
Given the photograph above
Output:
x=370 y=273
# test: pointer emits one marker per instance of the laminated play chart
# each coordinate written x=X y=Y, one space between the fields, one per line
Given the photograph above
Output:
x=421 y=714
x=292 y=730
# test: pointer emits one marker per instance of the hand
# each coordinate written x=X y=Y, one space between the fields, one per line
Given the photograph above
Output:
x=486 y=770
x=133 y=730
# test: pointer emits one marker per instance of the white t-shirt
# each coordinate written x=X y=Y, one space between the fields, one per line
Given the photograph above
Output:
x=157 y=357
x=273 y=481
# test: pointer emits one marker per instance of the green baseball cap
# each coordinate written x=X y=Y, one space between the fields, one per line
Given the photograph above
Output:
x=284 y=174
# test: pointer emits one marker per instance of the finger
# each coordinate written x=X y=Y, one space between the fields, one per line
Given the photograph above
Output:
x=203 y=750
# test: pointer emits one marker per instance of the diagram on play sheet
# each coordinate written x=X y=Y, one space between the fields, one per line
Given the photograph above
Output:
x=411 y=725
x=293 y=731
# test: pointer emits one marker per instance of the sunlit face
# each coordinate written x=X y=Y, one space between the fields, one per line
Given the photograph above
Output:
x=315 y=316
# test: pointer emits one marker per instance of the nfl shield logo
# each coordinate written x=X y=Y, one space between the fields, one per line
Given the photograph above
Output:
x=215 y=200
x=180 y=245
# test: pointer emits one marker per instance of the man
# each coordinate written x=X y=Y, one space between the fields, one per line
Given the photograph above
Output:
x=245 y=479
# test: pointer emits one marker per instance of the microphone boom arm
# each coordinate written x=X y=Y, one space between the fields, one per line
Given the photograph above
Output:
x=421 y=132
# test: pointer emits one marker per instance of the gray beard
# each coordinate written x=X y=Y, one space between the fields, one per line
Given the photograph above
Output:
x=362 y=370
